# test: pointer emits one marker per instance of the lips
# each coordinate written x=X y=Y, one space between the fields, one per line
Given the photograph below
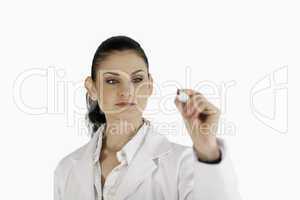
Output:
x=125 y=103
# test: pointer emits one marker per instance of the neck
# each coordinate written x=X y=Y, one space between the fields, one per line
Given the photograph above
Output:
x=119 y=131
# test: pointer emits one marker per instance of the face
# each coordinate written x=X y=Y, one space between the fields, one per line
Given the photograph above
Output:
x=122 y=85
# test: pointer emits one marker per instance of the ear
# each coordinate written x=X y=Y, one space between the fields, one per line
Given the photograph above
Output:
x=90 y=87
x=150 y=85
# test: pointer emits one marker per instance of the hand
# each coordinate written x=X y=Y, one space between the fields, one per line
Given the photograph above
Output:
x=201 y=120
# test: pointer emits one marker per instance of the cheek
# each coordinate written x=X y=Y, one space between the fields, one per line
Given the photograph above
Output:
x=109 y=98
x=142 y=88
x=142 y=95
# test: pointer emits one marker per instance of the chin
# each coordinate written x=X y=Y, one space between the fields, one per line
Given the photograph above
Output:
x=128 y=113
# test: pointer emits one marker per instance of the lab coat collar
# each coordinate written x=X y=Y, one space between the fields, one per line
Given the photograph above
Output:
x=130 y=148
x=81 y=177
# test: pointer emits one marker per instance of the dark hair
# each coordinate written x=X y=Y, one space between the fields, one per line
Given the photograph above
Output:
x=94 y=115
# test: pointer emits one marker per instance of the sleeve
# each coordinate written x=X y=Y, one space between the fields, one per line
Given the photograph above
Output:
x=205 y=181
x=217 y=161
x=56 y=185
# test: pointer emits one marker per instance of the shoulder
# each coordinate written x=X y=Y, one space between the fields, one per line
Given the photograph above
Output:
x=66 y=162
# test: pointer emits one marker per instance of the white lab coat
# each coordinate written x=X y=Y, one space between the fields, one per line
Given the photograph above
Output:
x=161 y=170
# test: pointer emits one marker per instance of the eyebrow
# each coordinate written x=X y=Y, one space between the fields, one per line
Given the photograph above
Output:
x=114 y=73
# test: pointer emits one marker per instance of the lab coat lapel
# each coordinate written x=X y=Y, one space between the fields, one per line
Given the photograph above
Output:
x=80 y=183
x=143 y=164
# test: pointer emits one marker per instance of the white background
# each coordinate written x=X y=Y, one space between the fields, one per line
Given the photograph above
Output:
x=245 y=43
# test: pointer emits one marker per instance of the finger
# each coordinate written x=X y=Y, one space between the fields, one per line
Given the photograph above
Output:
x=194 y=114
x=201 y=100
x=198 y=100
x=191 y=111
x=196 y=104
x=201 y=107
x=188 y=91
x=204 y=107
x=211 y=110
x=188 y=107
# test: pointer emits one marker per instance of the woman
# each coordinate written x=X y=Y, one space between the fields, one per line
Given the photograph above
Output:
x=126 y=158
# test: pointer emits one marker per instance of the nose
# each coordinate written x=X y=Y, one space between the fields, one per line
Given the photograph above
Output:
x=126 y=90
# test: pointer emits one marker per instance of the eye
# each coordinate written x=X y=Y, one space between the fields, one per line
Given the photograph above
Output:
x=111 y=81
x=137 y=80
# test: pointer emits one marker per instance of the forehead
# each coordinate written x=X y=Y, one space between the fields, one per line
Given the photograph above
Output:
x=123 y=62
